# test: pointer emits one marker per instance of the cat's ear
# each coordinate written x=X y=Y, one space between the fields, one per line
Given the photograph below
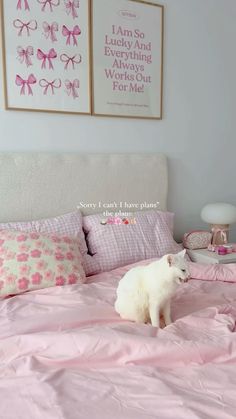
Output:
x=170 y=260
x=182 y=253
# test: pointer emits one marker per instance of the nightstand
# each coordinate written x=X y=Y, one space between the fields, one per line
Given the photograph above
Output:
x=204 y=256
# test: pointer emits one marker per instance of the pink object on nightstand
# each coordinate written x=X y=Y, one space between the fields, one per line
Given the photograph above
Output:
x=229 y=248
x=222 y=250
x=211 y=248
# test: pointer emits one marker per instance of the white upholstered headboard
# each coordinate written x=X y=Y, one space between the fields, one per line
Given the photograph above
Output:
x=38 y=185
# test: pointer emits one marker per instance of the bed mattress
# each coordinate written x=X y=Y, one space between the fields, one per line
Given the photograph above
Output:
x=66 y=354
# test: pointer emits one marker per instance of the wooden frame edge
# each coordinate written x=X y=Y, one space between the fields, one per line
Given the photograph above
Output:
x=4 y=69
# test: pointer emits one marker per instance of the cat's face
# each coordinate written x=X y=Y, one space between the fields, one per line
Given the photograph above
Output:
x=179 y=267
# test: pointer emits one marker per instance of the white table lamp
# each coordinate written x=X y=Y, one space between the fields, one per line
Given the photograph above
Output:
x=220 y=216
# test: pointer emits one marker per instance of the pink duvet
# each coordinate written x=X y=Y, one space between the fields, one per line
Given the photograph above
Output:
x=66 y=354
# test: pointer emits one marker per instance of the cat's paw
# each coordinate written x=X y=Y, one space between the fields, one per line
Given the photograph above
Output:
x=167 y=322
x=162 y=323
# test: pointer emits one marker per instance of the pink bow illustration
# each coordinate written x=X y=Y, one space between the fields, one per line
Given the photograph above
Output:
x=25 y=54
x=71 y=6
x=71 y=88
x=28 y=26
x=46 y=57
x=49 y=30
x=21 y=82
x=50 y=3
x=71 y=33
x=20 y=6
x=52 y=84
x=67 y=60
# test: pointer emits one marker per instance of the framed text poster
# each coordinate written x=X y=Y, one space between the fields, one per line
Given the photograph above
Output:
x=127 y=43
x=46 y=55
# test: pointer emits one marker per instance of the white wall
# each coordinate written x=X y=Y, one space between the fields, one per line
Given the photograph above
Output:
x=199 y=125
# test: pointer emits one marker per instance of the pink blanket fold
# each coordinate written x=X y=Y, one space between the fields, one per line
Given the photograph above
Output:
x=213 y=272
x=66 y=354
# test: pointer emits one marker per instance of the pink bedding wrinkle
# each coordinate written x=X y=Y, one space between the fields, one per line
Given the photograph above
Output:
x=66 y=354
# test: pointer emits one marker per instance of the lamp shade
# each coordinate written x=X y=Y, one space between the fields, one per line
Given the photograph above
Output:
x=219 y=213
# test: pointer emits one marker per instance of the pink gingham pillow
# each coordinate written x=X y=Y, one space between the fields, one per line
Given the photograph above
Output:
x=30 y=261
x=113 y=246
x=69 y=224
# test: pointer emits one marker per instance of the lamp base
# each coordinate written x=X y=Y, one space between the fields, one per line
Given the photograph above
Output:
x=220 y=234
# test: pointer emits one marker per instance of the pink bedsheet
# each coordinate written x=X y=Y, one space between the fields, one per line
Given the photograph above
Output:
x=66 y=354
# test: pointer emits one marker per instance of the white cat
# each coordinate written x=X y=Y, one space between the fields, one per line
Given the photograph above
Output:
x=145 y=292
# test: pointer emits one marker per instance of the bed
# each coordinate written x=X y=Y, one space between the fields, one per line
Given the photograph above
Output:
x=64 y=351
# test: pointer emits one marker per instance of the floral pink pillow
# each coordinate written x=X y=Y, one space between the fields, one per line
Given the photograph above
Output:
x=69 y=224
x=30 y=261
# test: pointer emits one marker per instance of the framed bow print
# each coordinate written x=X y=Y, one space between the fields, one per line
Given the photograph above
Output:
x=127 y=39
x=46 y=55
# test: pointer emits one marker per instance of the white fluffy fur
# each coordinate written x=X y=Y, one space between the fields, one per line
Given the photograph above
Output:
x=145 y=292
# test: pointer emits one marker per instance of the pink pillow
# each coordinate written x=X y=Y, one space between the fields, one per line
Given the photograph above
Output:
x=30 y=261
x=113 y=246
x=67 y=224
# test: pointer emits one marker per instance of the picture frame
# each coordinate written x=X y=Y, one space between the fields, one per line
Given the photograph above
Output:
x=46 y=55
x=127 y=58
